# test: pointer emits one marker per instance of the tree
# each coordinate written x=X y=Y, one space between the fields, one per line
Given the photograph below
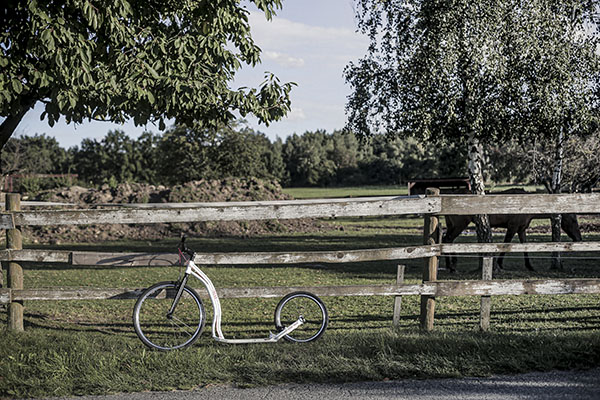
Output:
x=470 y=72
x=307 y=159
x=147 y=157
x=346 y=154
x=502 y=159
x=562 y=85
x=115 y=158
x=186 y=155
x=38 y=154
x=275 y=163
x=143 y=60
x=581 y=159
x=243 y=153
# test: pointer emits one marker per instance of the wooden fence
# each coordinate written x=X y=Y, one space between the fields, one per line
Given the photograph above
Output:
x=430 y=206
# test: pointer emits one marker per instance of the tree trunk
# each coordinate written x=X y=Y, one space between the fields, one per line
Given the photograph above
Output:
x=7 y=128
x=475 y=166
x=555 y=187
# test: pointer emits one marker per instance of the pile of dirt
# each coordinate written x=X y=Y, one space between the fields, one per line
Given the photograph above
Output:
x=195 y=191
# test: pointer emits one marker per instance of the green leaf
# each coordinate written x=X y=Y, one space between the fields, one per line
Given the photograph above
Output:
x=153 y=72
x=72 y=101
x=17 y=86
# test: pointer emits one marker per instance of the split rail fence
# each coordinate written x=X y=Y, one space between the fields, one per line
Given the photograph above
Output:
x=430 y=206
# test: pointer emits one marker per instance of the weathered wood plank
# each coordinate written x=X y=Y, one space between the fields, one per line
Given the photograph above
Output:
x=581 y=203
x=537 y=247
x=46 y=256
x=236 y=211
x=132 y=293
x=518 y=287
x=262 y=203
x=486 y=301
x=438 y=288
x=124 y=259
x=398 y=253
x=441 y=288
x=158 y=259
x=291 y=209
x=264 y=292
x=75 y=293
x=4 y=296
x=7 y=221
x=431 y=236
x=14 y=240
x=398 y=299
x=394 y=253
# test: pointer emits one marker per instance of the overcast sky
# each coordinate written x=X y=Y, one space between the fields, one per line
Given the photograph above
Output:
x=309 y=42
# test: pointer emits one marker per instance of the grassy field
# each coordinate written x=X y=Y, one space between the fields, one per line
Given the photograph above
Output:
x=365 y=191
x=335 y=192
x=89 y=347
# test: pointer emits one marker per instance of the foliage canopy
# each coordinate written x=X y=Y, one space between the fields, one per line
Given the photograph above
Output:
x=128 y=59
x=484 y=69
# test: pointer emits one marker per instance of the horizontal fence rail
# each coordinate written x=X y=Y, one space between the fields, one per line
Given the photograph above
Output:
x=438 y=288
x=229 y=211
x=294 y=209
x=85 y=258
x=580 y=203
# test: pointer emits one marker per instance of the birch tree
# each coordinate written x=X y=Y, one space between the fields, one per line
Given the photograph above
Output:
x=472 y=72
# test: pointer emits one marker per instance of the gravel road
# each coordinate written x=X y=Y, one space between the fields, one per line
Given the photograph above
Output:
x=580 y=385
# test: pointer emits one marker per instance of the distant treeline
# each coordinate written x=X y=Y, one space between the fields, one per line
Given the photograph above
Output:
x=181 y=155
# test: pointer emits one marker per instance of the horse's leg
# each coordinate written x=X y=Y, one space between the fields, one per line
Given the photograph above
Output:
x=510 y=233
x=523 y=239
x=452 y=232
x=570 y=225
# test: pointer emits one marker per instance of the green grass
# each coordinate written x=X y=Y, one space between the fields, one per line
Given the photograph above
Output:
x=94 y=363
x=376 y=190
x=89 y=347
x=339 y=192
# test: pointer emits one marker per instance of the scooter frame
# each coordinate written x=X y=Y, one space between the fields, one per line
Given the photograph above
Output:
x=193 y=270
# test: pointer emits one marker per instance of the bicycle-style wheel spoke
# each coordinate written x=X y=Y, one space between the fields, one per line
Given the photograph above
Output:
x=306 y=306
x=163 y=332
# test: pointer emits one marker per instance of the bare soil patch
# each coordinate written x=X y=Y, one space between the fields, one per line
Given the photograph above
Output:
x=195 y=191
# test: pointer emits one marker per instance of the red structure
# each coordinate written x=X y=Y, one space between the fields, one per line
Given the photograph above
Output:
x=446 y=185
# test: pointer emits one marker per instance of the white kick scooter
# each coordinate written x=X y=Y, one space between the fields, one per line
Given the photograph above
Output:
x=170 y=315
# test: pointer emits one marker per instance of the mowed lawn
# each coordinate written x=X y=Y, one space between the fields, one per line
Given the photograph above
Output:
x=89 y=347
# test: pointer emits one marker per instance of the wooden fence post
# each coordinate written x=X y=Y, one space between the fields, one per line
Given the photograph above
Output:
x=486 y=301
x=15 y=272
x=431 y=235
x=398 y=299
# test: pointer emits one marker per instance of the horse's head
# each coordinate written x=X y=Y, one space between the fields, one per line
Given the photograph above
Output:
x=570 y=225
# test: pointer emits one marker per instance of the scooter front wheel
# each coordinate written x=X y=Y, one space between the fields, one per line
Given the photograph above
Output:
x=163 y=331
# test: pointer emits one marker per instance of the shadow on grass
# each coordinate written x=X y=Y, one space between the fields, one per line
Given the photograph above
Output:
x=275 y=243
x=109 y=358
x=527 y=316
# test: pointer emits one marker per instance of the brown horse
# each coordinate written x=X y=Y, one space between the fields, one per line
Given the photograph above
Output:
x=514 y=224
